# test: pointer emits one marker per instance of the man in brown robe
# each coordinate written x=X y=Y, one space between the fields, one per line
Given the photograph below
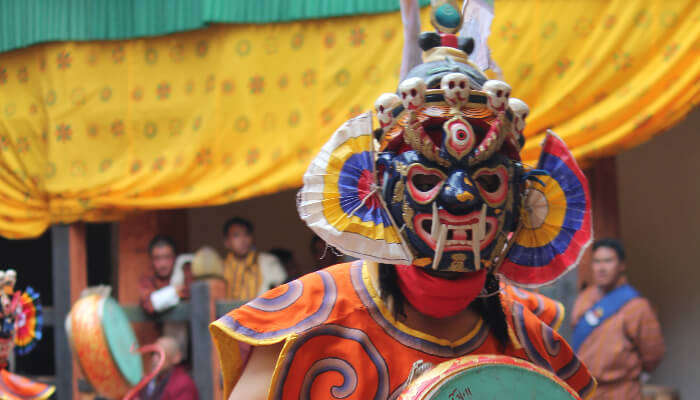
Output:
x=624 y=344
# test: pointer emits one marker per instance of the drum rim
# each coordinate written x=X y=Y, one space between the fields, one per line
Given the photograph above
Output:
x=473 y=361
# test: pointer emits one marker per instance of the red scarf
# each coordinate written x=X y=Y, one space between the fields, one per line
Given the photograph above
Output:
x=439 y=297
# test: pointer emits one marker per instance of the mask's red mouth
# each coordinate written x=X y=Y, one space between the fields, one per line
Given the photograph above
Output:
x=461 y=230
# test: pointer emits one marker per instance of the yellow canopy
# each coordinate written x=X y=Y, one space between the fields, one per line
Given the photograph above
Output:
x=89 y=130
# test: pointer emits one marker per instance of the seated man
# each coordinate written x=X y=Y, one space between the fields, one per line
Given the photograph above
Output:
x=616 y=331
x=161 y=289
x=173 y=382
x=156 y=292
x=248 y=272
x=438 y=212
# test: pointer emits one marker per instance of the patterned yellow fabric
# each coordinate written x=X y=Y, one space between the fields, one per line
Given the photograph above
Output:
x=91 y=130
x=243 y=277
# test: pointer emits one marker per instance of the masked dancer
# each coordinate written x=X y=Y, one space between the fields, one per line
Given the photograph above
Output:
x=442 y=213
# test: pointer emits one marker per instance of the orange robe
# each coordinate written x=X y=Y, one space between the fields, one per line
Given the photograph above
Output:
x=15 y=387
x=342 y=340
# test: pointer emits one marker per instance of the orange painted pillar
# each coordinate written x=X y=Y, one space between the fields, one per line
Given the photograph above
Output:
x=78 y=278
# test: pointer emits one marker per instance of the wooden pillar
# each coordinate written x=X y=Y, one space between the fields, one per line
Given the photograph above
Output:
x=602 y=178
x=205 y=363
x=69 y=267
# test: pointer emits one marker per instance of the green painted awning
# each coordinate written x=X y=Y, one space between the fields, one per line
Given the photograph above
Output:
x=27 y=22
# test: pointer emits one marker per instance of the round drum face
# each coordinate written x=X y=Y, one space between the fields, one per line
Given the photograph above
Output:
x=502 y=382
x=120 y=339
x=487 y=377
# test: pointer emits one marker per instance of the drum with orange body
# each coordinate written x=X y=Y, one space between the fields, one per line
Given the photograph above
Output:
x=103 y=343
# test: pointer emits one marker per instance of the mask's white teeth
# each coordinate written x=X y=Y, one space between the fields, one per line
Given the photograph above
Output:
x=436 y=220
x=440 y=246
x=482 y=221
x=476 y=244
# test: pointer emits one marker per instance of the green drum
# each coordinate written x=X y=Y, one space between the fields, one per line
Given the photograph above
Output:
x=104 y=345
x=488 y=377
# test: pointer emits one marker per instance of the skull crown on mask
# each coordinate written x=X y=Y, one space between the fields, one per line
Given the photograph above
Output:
x=448 y=176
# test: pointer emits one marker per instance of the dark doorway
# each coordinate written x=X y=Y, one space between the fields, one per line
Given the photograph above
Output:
x=32 y=260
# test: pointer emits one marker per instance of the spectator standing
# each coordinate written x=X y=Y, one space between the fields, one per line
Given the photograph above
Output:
x=616 y=332
x=248 y=273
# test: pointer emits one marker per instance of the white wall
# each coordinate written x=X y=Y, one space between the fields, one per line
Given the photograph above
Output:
x=659 y=188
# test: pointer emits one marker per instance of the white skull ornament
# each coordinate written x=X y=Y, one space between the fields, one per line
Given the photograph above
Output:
x=412 y=92
x=520 y=112
x=498 y=93
x=384 y=106
x=455 y=87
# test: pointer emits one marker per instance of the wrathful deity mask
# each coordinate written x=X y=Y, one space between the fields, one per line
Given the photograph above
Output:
x=447 y=175
x=440 y=185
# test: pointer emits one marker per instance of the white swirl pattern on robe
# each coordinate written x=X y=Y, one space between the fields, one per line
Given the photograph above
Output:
x=334 y=364
x=552 y=345
x=521 y=330
x=279 y=303
x=330 y=293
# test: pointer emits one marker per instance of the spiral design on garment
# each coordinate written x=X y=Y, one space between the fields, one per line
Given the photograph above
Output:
x=552 y=344
x=280 y=302
x=336 y=365
x=333 y=362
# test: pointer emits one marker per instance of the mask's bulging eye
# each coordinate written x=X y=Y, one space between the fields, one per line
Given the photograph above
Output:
x=423 y=183
x=460 y=137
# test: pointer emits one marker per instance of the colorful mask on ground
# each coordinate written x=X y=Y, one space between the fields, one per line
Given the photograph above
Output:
x=441 y=185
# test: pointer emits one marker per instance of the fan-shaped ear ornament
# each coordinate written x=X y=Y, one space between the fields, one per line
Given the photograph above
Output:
x=555 y=220
x=341 y=197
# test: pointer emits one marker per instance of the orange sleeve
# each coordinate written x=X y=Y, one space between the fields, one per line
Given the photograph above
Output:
x=272 y=318
x=551 y=312
x=536 y=341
